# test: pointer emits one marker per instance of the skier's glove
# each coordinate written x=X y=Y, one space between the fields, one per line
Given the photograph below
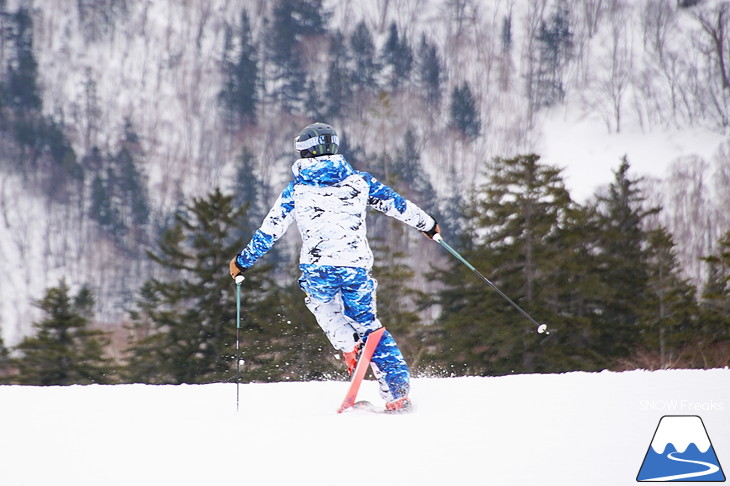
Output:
x=234 y=268
x=433 y=231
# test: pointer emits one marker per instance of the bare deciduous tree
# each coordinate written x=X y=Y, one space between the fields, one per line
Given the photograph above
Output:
x=715 y=46
x=715 y=24
x=592 y=13
x=721 y=179
x=687 y=213
x=530 y=61
x=615 y=78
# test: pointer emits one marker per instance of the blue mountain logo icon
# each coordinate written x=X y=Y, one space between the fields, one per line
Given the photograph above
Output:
x=681 y=451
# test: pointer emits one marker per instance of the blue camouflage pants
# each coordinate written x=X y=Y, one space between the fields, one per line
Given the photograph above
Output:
x=342 y=300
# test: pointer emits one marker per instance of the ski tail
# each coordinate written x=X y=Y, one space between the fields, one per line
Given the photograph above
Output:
x=361 y=368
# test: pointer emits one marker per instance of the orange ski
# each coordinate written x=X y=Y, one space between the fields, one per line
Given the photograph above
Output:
x=361 y=368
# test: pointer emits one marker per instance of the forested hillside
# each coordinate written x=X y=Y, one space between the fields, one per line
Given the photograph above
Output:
x=141 y=143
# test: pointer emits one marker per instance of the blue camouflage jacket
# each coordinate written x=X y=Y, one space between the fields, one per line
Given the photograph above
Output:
x=328 y=199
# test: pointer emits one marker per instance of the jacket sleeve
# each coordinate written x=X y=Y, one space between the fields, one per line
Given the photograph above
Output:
x=385 y=199
x=274 y=226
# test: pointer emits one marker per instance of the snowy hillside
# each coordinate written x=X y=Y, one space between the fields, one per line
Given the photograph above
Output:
x=589 y=155
x=576 y=429
x=640 y=82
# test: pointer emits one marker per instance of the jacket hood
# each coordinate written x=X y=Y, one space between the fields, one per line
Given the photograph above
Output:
x=321 y=171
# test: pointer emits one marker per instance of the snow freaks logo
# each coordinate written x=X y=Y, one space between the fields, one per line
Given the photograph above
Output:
x=681 y=451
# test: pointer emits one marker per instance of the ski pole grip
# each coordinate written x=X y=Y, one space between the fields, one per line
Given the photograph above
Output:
x=239 y=279
x=437 y=238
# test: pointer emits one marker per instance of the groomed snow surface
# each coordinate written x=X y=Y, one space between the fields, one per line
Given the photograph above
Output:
x=570 y=429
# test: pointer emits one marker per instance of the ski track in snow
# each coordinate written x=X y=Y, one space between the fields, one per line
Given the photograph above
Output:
x=515 y=430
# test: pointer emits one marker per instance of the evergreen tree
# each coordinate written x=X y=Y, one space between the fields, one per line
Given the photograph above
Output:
x=365 y=67
x=3 y=352
x=47 y=156
x=291 y=21
x=669 y=318
x=97 y=17
x=101 y=206
x=129 y=184
x=64 y=350
x=505 y=64
x=119 y=198
x=22 y=92
x=314 y=105
x=555 y=44
x=623 y=262
x=353 y=154
x=454 y=207
x=249 y=191
x=507 y=33
x=430 y=71
x=464 y=113
x=285 y=29
x=239 y=96
x=289 y=70
x=715 y=302
x=4 y=41
x=4 y=359
x=397 y=56
x=289 y=345
x=518 y=229
x=133 y=190
x=339 y=78
x=408 y=173
x=185 y=322
x=396 y=297
x=310 y=17
x=397 y=300
x=576 y=300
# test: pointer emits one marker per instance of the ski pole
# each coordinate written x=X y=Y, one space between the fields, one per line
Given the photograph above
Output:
x=541 y=328
x=239 y=279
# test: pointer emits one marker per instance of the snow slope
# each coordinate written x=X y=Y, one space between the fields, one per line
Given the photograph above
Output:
x=590 y=156
x=571 y=429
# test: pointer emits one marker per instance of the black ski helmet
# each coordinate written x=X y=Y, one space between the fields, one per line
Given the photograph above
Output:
x=317 y=139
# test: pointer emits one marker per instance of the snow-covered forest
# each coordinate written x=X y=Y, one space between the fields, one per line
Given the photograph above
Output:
x=129 y=127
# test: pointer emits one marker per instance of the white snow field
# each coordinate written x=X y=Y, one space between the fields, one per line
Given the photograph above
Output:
x=569 y=429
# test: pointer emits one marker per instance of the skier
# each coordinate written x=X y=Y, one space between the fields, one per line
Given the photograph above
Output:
x=328 y=200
